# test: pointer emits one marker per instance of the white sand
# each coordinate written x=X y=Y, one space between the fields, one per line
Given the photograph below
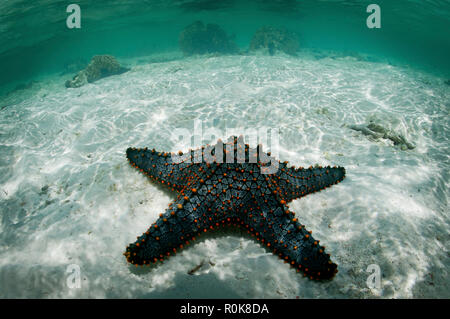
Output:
x=68 y=196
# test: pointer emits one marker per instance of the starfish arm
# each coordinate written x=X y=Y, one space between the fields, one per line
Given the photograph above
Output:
x=294 y=183
x=171 y=231
x=160 y=167
x=276 y=227
x=194 y=211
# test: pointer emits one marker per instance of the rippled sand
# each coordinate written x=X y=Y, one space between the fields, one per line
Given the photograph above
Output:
x=68 y=195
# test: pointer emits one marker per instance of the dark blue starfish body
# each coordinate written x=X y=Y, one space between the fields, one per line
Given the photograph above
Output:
x=216 y=194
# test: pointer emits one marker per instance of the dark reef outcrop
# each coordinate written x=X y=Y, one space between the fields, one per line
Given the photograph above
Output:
x=275 y=40
x=198 y=38
x=101 y=66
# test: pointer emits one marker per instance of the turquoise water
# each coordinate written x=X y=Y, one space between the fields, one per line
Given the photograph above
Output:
x=34 y=38
x=68 y=197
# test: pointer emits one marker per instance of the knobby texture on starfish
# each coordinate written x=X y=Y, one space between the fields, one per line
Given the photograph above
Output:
x=214 y=194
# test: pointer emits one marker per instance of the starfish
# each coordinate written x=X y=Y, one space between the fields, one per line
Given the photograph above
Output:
x=217 y=192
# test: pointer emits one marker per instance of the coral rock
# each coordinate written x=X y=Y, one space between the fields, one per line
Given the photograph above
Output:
x=100 y=66
x=274 y=39
x=197 y=38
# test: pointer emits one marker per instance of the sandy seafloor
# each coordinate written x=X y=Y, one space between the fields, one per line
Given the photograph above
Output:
x=68 y=195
